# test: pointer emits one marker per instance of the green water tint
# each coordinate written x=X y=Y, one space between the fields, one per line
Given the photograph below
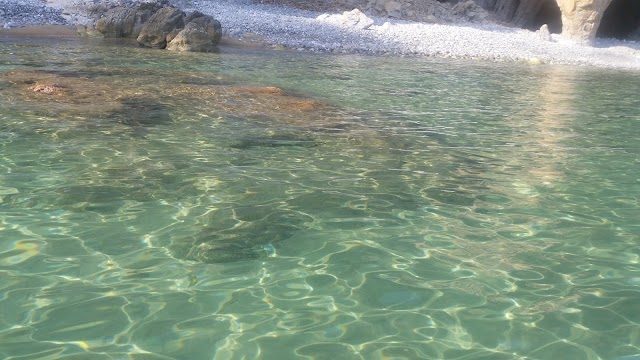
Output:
x=275 y=205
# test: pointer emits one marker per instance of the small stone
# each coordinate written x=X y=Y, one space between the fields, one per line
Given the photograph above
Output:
x=534 y=61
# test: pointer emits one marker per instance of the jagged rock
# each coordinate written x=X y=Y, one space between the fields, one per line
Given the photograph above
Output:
x=544 y=33
x=200 y=34
x=357 y=19
x=163 y=23
x=122 y=22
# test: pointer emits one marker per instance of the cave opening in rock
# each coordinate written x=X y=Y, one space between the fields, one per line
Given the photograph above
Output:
x=621 y=20
x=548 y=13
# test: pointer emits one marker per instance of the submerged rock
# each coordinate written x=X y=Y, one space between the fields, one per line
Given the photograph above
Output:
x=92 y=93
x=48 y=88
x=277 y=140
x=244 y=233
x=56 y=94
x=227 y=252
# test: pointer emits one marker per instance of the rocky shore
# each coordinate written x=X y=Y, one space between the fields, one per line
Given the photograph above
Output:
x=463 y=33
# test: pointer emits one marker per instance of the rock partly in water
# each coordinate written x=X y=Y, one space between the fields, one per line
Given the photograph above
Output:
x=88 y=31
x=123 y=22
x=202 y=34
x=165 y=23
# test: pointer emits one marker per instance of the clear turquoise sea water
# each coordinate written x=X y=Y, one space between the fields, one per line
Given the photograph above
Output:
x=275 y=205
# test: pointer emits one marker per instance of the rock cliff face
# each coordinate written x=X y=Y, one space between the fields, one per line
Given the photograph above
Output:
x=578 y=20
x=581 y=18
x=528 y=14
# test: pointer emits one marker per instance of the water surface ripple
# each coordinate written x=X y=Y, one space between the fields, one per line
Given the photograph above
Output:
x=275 y=205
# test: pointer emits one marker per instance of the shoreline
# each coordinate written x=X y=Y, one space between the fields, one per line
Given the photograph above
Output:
x=281 y=27
x=68 y=31
x=314 y=31
x=41 y=31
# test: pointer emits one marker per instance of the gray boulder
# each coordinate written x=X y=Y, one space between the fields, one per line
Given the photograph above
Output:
x=201 y=34
x=166 y=22
x=357 y=19
x=124 y=22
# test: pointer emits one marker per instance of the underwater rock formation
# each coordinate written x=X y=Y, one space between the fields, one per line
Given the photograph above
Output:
x=245 y=232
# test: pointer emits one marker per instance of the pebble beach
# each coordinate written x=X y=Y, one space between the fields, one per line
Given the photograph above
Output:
x=285 y=27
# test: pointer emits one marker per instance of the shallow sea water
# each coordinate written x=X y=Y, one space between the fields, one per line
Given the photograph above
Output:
x=255 y=204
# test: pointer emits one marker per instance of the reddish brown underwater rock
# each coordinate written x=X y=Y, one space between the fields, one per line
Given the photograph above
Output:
x=83 y=95
x=52 y=89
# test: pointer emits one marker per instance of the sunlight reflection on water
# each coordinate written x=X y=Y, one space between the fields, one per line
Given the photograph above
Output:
x=253 y=204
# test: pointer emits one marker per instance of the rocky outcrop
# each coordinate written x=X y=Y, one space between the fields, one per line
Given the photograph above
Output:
x=581 y=18
x=161 y=28
x=202 y=33
x=527 y=14
x=157 y=26
x=577 y=20
x=124 y=22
